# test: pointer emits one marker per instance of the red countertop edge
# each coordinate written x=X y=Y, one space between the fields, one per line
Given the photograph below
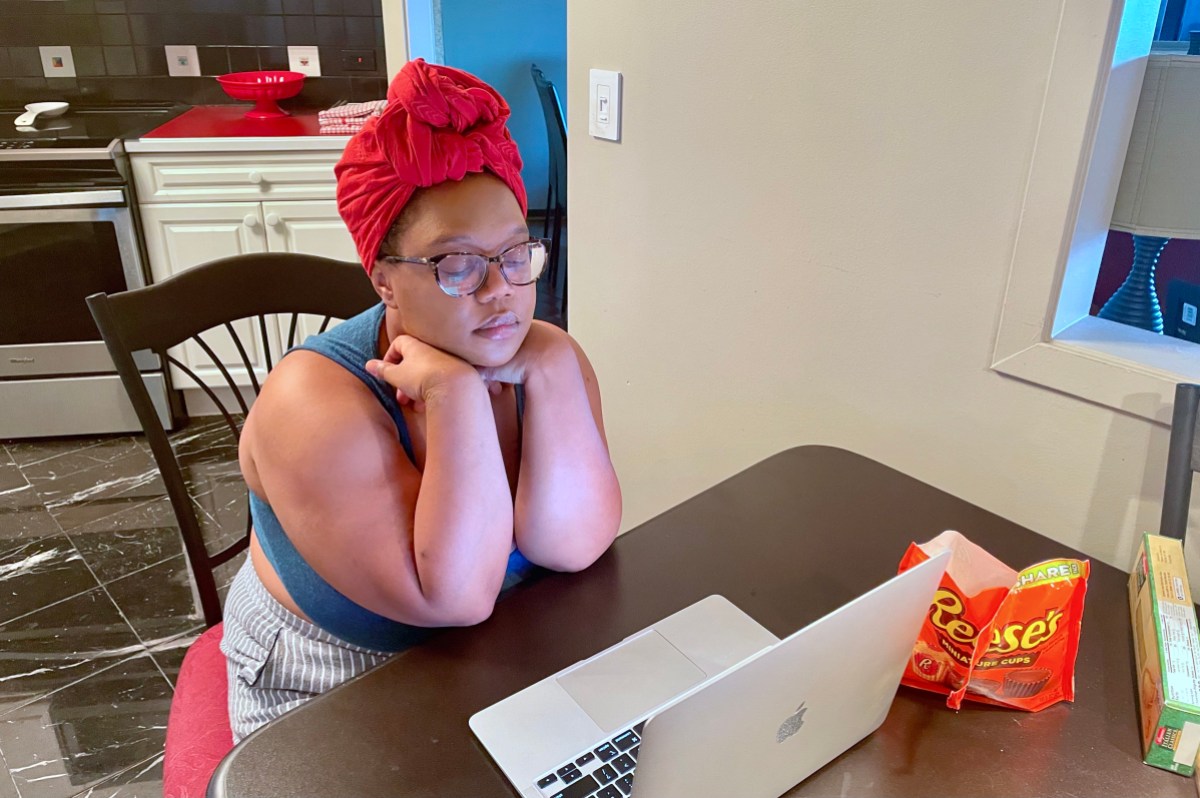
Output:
x=229 y=121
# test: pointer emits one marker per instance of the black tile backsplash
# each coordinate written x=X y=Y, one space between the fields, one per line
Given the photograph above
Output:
x=47 y=29
x=150 y=60
x=117 y=46
x=114 y=29
x=357 y=8
x=243 y=59
x=234 y=6
x=27 y=8
x=270 y=30
x=360 y=33
x=22 y=87
x=273 y=58
x=204 y=6
x=62 y=87
x=119 y=61
x=26 y=62
x=332 y=31
x=300 y=28
x=30 y=29
x=89 y=61
x=214 y=60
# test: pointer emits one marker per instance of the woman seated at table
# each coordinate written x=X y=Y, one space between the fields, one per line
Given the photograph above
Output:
x=412 y=463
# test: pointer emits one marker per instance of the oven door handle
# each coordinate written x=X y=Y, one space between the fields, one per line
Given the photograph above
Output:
x=62 y=200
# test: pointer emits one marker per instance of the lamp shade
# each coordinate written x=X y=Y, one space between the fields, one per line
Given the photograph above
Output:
x=1159 y=193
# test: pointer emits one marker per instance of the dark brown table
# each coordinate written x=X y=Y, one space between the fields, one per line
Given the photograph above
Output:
x=787 y=540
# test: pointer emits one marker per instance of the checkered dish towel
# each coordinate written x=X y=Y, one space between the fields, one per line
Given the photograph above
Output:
x=349 y=118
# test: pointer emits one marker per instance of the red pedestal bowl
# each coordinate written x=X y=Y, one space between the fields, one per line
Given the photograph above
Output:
x=264 y=88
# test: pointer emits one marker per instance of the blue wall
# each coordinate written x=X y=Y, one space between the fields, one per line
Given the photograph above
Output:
x=498 y=40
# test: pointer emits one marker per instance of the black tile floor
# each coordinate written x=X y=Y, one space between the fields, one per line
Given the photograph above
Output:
x=96 y=608
x=96 y=605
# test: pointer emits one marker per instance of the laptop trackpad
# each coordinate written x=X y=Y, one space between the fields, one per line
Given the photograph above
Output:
x=620 y=686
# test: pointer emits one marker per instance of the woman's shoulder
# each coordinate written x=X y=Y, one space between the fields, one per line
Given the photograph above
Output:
x=314 y=420
x=354 y=339
x=313 y=401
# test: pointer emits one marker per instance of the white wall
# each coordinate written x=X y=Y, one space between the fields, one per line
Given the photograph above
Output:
x=804 y=237
x=395 y=36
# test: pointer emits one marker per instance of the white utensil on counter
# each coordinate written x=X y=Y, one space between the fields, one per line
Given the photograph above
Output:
x=34 y=110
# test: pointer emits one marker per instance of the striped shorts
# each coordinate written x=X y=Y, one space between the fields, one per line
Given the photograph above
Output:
x=276 y=660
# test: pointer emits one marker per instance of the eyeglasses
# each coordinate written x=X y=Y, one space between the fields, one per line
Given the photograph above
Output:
x=463 y=273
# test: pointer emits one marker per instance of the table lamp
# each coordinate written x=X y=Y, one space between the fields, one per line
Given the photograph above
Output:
x=1159 y=195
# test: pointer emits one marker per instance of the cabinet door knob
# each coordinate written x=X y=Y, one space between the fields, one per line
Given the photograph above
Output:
x=251 y=220
x=273 y=219
x=255 y=177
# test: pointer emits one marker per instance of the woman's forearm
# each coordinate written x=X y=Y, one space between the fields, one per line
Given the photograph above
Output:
x=463 y=521
x=568 y=503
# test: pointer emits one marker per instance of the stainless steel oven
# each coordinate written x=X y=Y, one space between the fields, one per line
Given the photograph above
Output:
x=68 y=229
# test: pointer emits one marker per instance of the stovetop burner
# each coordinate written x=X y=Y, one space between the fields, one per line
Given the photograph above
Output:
x=79 y=150
x=82 y=127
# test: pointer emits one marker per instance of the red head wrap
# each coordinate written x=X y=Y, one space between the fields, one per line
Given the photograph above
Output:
x=439 y=124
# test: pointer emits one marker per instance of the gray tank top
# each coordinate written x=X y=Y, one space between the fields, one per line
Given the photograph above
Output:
x=351 y=344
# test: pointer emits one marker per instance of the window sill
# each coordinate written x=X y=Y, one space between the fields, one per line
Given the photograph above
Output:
x=1046 y=335
x=1115 y=365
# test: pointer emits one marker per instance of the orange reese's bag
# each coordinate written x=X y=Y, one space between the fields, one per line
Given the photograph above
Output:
x=995 y=635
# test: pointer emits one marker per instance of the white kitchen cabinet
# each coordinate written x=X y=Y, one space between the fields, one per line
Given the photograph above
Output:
x=199 y=208
x=180 y=236
x=174 y=177
x=315 y=228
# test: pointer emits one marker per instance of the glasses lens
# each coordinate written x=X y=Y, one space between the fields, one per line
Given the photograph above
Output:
x=523 y=264
x=459 y=275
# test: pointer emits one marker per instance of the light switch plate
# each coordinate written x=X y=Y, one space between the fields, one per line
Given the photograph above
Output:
x=604 y=104
x=57 y=62
x=182 y=60
x=305 y=59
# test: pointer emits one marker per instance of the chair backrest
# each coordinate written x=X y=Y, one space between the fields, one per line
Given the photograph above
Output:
x=556 y=131
x=1183 y=458
x=209 y=299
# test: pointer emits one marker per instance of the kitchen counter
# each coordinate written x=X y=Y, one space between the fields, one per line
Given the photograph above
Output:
x=225 y=128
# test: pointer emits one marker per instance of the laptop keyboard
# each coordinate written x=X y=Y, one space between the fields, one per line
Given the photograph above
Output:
x=604 y=771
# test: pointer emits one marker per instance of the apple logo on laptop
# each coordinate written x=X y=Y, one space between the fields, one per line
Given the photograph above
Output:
x=791 y=724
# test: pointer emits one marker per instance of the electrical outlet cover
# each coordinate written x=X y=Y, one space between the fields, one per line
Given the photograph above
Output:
x=1181 y=311
x=358 y=60
x=182 y=60
x=305 y=59
x=57 y=62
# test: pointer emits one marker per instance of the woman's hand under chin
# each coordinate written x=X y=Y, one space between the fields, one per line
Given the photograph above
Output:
x=419 y=371
x=545 y=347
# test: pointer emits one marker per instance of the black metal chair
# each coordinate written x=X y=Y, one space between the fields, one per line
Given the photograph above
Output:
x=202 y=301
x=556 y=192
x=1183 y=459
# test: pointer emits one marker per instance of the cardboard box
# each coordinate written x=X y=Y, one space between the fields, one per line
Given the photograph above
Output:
x=1167 y=652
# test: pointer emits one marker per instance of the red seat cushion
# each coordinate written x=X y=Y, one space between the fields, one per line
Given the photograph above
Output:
x=198 y=734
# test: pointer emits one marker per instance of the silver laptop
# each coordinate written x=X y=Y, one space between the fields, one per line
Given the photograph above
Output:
x=707 y=702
